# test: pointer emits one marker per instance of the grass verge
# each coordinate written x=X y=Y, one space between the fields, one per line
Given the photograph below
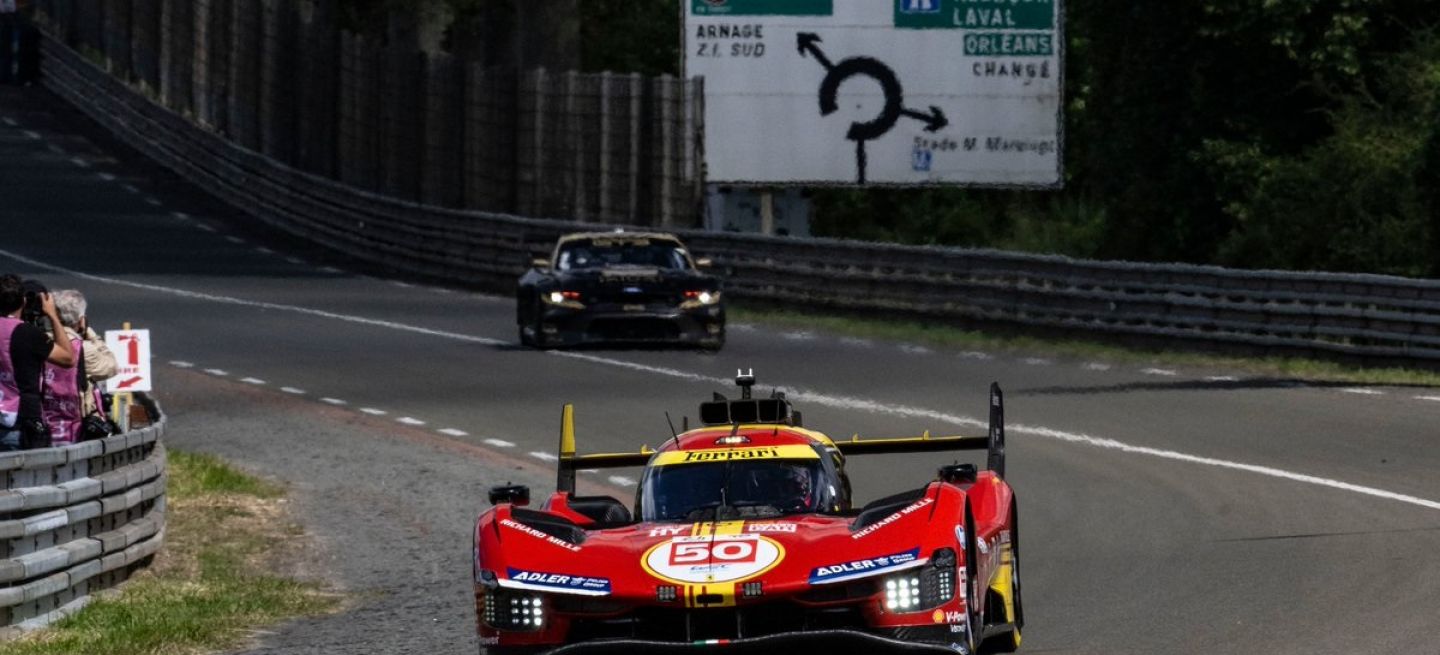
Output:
x=946 y=336
x=215 y=581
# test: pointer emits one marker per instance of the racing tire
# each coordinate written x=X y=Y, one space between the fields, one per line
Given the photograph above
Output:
x=525 y=339
x=974 y=617
x=1010 y=641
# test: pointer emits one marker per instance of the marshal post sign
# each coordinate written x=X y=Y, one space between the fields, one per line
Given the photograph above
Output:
x=880 y=92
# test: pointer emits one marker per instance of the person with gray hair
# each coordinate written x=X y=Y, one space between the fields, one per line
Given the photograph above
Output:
x=70 y=393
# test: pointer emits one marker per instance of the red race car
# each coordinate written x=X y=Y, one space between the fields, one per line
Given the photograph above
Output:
x=743 y=537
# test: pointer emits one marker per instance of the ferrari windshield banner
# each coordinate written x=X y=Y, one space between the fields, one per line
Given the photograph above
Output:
x=890 y=92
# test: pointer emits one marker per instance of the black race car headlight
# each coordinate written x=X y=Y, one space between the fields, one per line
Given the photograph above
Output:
x=698 y=299
x=569 y=299
x=514 y=611
x=922 y=588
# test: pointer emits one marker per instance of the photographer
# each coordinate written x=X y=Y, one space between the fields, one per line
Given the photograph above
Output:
x=67 y=397
x=24 y=350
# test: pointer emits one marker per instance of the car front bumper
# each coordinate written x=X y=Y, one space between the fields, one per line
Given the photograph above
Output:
x=572 y=327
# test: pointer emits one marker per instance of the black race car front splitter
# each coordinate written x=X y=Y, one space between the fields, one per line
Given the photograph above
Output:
x=822 y=641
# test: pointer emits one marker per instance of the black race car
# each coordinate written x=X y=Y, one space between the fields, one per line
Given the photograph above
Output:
x=620 y=287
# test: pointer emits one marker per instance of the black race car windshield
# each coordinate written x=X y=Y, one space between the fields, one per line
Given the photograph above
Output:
x=734 y=490
x=604 y=253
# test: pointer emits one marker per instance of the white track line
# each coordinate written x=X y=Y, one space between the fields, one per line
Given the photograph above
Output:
x=255 y=381
x=915 y=350
x=1037 y=361
x=35 y=136
x=840 y=402
x=1222 y=378
x=977 y=356
x=182 y=216
x=180 y=364
x=1097 y=366
x=857 y=342
x=372 y=411
x=333 y=401
x=544 y=457
x=798 y=336
x=1433 y=399
x=236 y=240
x=1362 y=392
x=453 y=432
x=80 y=162
x=293 y=391
x=622 y=481
x=216 y=372
x=154 y=202
x=500 y=443
x=130 y=188
x=1162 y=372
x=107 y=177
x=264 y=251
x=330 y=269
x=295 y=260
x=410 y=421
x=10 y=121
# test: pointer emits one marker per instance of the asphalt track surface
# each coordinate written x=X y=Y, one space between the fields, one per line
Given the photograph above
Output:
x=1163 y=511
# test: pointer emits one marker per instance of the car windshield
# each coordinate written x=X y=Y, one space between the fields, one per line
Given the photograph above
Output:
x=734 y=490
x=605 y=253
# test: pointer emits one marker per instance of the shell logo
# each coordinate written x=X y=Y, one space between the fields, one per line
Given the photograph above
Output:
x=938 y=616
x=722 y=558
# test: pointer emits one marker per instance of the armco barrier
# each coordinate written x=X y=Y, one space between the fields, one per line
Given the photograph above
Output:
x=1366 y=317
x=77 y=520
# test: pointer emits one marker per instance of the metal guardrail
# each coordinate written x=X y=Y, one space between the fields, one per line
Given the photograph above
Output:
x=77 y=520
x=1368 y=317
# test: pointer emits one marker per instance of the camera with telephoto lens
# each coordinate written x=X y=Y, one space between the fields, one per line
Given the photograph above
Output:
x=34 y=308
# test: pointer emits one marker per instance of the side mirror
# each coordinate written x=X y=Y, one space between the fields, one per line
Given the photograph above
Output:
x=540 y=262
x=958 y=473
x=704 y=262
x=515 y=494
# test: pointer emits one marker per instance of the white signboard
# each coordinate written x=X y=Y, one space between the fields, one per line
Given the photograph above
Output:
x=132 y=353
x=885 y=92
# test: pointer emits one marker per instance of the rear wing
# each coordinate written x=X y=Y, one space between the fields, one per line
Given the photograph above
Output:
x=570 y=463
x=993 y=442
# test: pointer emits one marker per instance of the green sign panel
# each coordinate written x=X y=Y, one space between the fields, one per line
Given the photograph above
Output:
x=974 y=14
x=762 y=7
x=1009 y=44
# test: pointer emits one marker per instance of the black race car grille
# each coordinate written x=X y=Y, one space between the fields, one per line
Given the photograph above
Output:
x=616 y=298
x=686 y=626
x=640 y=329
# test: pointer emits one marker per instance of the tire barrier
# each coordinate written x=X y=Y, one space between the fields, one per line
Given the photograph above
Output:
x=1369 y=318
x=77 y=520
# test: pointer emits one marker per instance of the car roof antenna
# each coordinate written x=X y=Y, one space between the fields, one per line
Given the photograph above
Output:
x=673 y=434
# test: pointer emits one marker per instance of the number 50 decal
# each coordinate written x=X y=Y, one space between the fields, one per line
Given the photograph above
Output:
x=687 y=560
x=720 y=552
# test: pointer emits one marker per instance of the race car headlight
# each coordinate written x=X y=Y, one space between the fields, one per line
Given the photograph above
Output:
x=923 y=588
x=694 y=299
x=569 y=299
x=517 y=612
x=902 y=592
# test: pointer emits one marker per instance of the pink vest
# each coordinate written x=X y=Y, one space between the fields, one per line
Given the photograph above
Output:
x=61 y=398
x=9 y=391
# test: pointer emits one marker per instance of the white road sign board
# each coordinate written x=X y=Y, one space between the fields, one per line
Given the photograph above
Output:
x=132 y=353
x=886 y=92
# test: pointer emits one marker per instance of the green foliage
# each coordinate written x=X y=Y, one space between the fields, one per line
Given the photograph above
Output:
x=631 y=36
x=197 y=474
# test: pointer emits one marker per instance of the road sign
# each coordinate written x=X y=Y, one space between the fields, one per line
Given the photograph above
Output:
x=883 y=92
x=132 y=353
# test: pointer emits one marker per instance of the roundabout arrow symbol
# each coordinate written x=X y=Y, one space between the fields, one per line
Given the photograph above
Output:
x=808 y=44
